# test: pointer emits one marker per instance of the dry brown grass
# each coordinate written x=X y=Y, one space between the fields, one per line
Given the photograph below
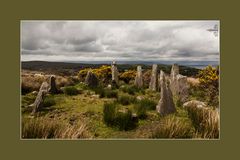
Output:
x=206 y=121
x=45 y=128
x=32 y=81
x=193 y=81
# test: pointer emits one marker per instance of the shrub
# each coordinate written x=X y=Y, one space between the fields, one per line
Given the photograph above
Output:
x=205 y=121
x=49 y=101
x=126 y=99
x=128 y=75
x=103 y=73
x=70 y=90
x=51 y=128
x=209 y=83
x=172 y=127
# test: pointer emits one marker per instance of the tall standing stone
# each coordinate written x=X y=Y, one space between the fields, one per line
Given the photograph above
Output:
x=165 y=105
x=174 y=71
x=154 y=78
x=114 y=74
x=38 y=103
x=53 y=88
x=178 y=84
x=91 y=79
x=139 y=77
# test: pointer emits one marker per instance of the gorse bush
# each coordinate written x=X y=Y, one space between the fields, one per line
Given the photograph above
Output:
x=205 y=121
x=51 y=128
x=103 y=73
x=126 y=99
x=209 y=82
x=113 y=117
x=128 y=75
x=70 y=90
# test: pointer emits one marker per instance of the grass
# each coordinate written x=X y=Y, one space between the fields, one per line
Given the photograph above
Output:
x=172 y=127
x=70 y=112
x=113 y=117
x=71 y=90
x=43 y=128
x=126 y=99
x=206 y=121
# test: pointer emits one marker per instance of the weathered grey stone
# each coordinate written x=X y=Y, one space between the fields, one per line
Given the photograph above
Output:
x=139 y=79
x=38 y=103
x=165 y=105
x=194 y=104
x=53 y=88
x=114 y=74
x=178 y=84
x=154 y=78
x=91 y=79
x=174 y=71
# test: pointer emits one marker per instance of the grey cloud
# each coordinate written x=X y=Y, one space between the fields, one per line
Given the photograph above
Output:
x=123 y=39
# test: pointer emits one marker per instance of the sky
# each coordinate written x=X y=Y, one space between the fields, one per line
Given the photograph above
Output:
x=119 y=40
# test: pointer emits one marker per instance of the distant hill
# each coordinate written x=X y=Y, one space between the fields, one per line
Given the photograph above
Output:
x=72 y=68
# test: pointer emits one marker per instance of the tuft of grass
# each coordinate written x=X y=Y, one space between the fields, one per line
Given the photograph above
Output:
x=109 y=113
x=172 y=127
x=126 y=99
x=49 y=101
x=205 y=121
x=70 y=90
x=103 y=92
x=113 y=117
x=132 y=89
x=44 y=128
x=124 y=120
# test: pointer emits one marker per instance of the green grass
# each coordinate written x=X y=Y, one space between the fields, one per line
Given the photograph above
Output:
x=71 y=110
x=71 y=90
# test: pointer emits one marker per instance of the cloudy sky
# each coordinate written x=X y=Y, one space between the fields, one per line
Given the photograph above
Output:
x=118 y=40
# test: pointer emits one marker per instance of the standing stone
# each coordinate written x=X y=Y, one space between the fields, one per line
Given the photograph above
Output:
x=178 y=84
x=38 y=103
x=165 y=105
x=154 y=78
x=53 y=88
x=174 y=71
x=114 y=74
x=91 y=79
x=139 y=77
x=182 y=88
